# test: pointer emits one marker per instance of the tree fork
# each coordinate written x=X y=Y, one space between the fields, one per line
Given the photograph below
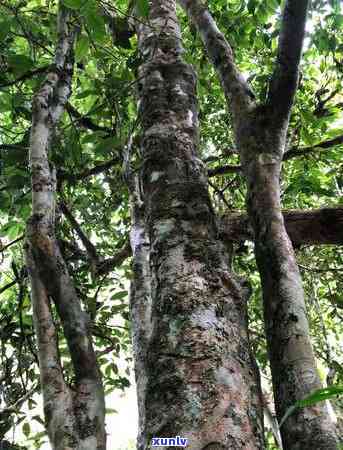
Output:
x=260 y=133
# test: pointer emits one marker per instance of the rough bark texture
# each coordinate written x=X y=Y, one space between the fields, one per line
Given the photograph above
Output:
x=74 y=417
x=304 y=227
x=260 y=138
x=195 y=374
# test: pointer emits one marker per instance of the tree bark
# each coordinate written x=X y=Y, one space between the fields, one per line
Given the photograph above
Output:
x=195 y=374
x=260 y=132
x=74 y=415
x=304 y=227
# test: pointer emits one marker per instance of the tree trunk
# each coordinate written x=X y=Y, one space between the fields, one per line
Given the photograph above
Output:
x=290 y=351
x=260 y=132
x=195 y=375
x=74 y=415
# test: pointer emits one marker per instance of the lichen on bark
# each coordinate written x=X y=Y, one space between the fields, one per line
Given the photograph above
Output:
x=194 y=369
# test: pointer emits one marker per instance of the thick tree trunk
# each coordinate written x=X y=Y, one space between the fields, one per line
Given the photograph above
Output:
x=260 y=138
x=195 y=375
x=74 y=415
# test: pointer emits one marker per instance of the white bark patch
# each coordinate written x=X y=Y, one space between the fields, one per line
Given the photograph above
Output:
x=136 y=238
x=231 y=378
x=164 y=227
x=174 y=328
x=190 y=121
x=155 y=77
x=88 y=444
x=178 y=91
x=266 y=159
x=156 y=176
x=161 y=129
x=205 y=318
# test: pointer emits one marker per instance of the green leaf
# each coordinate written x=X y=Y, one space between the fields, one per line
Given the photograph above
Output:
x=20 y=63
x=40 y=421
x=82 y=47
x=26 y=429
x=96 y=25
x=143 y=8
x=320 y=395
x=317 y=396
x=73 y=4
x=5 y=26
x=111 y=411
x=119 y=295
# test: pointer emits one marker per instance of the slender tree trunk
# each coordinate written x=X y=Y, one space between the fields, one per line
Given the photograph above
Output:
x=260 y=132
x=290 y=351
x=195 y=375
x=74 y=415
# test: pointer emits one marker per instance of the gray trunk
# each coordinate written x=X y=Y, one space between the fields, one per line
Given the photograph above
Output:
x=74 y=415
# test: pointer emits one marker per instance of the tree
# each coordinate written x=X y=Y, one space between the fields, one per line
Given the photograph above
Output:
x=94 y=157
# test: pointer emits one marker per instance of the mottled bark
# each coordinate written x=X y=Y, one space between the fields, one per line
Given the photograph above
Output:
x=195 y=374
x=140 y=302
x=260 y=138
x=238 y=94
x=74 y=415
x=304 y=227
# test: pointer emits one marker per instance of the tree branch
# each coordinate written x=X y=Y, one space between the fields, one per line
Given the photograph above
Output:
x=99 y=266
x=15 y=406
x=5 y=247
x=8 y=286
x=237 y=91
x=109 y=264
x=96 y=170
x=312 y=227
x=294 y=152
x=25 y=76
x=223 y=170
x=49 y=274
x=90 y=248
x=86 y=122
x=284 y=80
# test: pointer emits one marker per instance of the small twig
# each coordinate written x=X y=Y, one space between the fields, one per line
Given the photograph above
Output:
x=314 y=269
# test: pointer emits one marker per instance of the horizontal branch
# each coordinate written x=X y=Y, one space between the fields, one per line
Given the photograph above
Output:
x=223 y=170
x=312 y=227
x=294 y=152
x=96 y=170
x=25 y=76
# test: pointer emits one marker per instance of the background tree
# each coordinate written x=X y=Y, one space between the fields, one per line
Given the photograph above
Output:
x=91 y=144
